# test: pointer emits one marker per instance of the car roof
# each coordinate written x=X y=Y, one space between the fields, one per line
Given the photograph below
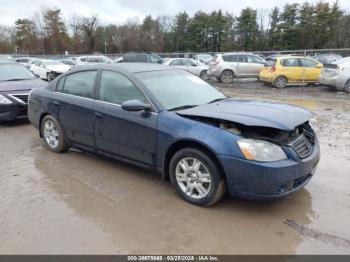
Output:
x=130 y=68
x=237 y=53
x=294 y=56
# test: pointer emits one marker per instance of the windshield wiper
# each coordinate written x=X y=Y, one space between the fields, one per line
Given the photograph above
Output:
x=181 y=107
x=217 y=100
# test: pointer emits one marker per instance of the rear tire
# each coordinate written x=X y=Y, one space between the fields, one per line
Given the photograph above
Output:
x=196 y=177
x=204 y=75
x=280 y=82
x=52 y=135
x=226 y=77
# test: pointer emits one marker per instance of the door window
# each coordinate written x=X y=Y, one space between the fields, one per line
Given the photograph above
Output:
x=290 y=62
x=253 y=59
x=116 y=88
x=78 y=84
x=186 y=62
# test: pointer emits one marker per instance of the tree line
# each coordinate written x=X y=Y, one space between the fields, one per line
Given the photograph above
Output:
x=295 y=26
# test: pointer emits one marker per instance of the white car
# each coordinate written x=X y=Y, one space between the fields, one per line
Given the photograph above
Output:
x=342 y=83
x=189 y=65
x=49 y=69
x=26 y=61
x=335 y=74
x=93 y=59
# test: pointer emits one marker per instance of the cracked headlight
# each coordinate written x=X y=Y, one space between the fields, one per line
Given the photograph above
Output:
x=4 y=100
x=262 y=151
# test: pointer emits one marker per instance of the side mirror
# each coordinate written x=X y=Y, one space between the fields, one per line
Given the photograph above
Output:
x=135 y=105
x=319 y=66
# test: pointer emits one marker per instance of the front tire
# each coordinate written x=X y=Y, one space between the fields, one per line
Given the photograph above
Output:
x=49 y=77
x=196 y=177
x=52 y=135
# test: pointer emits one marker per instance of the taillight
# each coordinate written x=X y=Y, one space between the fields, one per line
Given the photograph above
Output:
x=273 y=69
x=216 y=62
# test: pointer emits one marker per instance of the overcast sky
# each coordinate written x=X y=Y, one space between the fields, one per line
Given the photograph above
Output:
x=118 y=11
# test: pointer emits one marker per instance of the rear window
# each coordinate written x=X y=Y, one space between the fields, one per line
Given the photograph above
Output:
x=78 y=84
x=270 y=63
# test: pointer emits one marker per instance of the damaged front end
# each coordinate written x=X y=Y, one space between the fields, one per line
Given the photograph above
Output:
x=301 y=139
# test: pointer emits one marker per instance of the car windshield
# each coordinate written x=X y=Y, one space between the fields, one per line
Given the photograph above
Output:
x=9 y=72
x=177 y=89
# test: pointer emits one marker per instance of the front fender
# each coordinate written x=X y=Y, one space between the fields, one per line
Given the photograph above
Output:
x=173 y=128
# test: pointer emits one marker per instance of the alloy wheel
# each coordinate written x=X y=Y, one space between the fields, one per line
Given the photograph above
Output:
x=227 y=77
x=280 y=82
x=193 y=177
x=51 y=133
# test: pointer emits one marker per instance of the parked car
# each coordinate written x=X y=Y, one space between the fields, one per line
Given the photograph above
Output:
x=142 y=58
x=334 y=74
x=16 y=81
x=191 y=66
x=227 y=66
x=93 y=59
x=290 y=69
x=343 y=81
x=68 y=61
x=203 y=58
x=26 y=61
x=48 y=69
x=173 y=122
x=327 y=58
x=273 y=57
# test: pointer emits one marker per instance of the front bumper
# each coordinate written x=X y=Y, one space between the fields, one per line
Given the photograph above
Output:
x=328 y=80
x=12 y=112
x=269 y=181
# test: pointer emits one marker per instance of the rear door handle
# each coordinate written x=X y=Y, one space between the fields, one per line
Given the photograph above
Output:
x=98 y=115
x=56 y=103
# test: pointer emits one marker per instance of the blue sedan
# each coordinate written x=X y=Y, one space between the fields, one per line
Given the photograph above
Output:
x=171 y=121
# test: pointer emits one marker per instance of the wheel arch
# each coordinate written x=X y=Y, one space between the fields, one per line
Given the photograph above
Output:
x=187 y=143
x=228 y=69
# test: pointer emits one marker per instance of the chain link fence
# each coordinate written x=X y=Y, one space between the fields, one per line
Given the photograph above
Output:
x=307 y=52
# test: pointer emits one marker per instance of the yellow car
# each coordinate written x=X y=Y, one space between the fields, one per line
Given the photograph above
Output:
x=290 y=69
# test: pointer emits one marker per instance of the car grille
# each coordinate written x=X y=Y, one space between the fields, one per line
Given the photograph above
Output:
x=303 y=145
x=22 y=98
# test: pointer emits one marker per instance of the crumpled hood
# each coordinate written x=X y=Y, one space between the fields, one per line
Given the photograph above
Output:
x=58 y=68
x=253 y=113
x=21 y=85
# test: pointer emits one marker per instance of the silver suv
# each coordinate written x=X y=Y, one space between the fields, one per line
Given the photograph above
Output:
x=227 y=66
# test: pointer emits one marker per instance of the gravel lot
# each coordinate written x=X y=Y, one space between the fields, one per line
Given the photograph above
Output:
x=78 y=203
